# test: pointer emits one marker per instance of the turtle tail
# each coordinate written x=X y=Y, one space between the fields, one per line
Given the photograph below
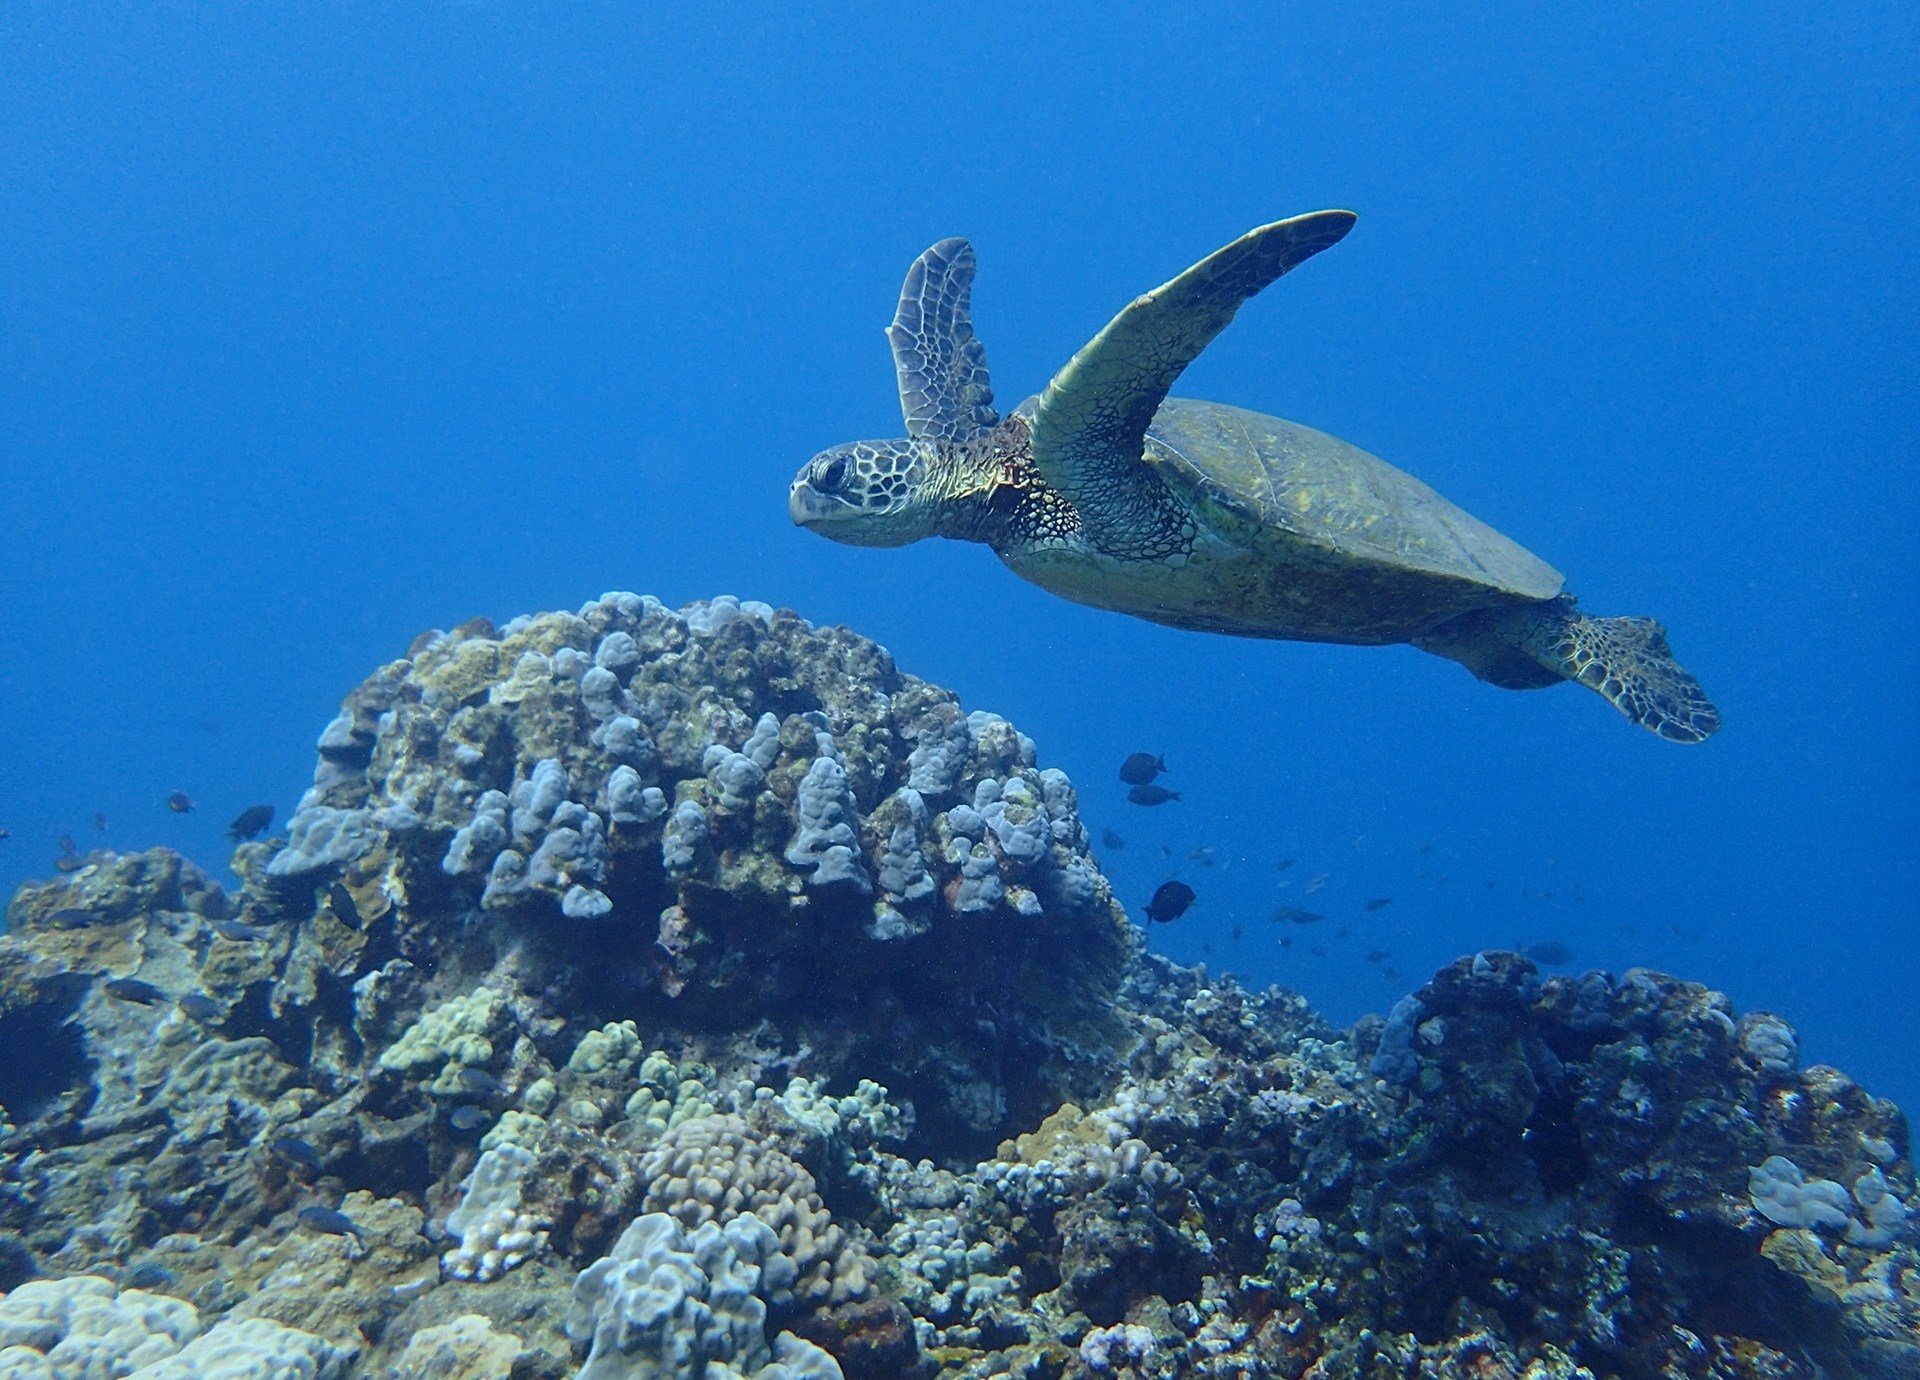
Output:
x=1628 y=661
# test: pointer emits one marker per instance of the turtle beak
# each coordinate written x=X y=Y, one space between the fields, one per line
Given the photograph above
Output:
x=805 y=506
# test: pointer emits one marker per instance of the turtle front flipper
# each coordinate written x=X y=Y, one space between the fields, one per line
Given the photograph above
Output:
x=944 y=392
x=1628 y=661
x=1090 y=425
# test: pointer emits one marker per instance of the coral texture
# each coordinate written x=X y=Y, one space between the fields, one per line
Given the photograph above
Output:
x=654 y=993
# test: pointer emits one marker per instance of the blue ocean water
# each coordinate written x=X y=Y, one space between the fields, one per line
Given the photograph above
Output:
x=323 y=325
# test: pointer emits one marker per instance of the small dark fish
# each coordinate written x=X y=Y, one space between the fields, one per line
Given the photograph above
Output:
x=1297 y=915
x=1286 y=941
x=1493 y=884
x=180 y=802
x=467 y=1117
x=1377 y=902
x=1170 y=902
x=202 y=1008
x=1112 y=840
x=1284 y=864
x=6 y=834
x=67 y=844
x=344 y=910
x=1550 y=952
x=1151 y=795
x=70 y=918
x=1378 y=955
x=1392 y=975
x=1342 y=932
x=149 y=1276
x=238 y=930
x=1318 y=950
x=1426 y=848
x=1239 y=933
x=250 y=823
x=135 y=990
x=294 y=1150
x=331 y=1221
x=1141 y=768
x=100 y=821
x=472 y=1082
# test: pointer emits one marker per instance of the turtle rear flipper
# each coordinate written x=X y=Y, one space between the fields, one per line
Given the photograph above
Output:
x=1628 y=661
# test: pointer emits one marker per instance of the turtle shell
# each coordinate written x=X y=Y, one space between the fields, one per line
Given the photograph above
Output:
x=1255 y=477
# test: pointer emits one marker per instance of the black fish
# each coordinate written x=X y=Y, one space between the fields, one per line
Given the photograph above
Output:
x=1170 y=902
x=1379 y=955
x=149 y=1276
x=250 y=823
x=100 y=821
x=202 y=1007
x=134 y=989
x=344 y=910
x=1297 y=915
x=1141 y=768
x=179 y=802
x=331 y=1221
x=467 y=1118
x=70 y=918
x=238 y=931
x=1378 y=902
x=472 y=1082
x=6 y=833
x=1151 y=795
x=1239 y=933
x=297 y=1151
x=1286 y=941
x=1550 y=952
x=1112 y=840
x=1284 y=864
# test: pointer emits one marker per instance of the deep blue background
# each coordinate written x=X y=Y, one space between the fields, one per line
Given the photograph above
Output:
x=320 y=328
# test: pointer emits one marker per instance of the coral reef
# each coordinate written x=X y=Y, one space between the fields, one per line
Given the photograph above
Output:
x=656 y=994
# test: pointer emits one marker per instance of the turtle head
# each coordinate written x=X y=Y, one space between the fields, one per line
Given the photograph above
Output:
x=868 y=493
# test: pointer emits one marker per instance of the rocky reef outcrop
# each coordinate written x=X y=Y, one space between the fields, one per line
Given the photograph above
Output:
x=653 y=993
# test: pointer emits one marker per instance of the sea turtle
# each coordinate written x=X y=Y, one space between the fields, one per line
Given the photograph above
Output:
x=1108 y=492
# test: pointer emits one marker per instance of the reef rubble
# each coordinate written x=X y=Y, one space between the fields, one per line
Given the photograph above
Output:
x=654 y=993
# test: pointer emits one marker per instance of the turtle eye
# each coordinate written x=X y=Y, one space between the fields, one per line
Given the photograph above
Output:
x=832 y=473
